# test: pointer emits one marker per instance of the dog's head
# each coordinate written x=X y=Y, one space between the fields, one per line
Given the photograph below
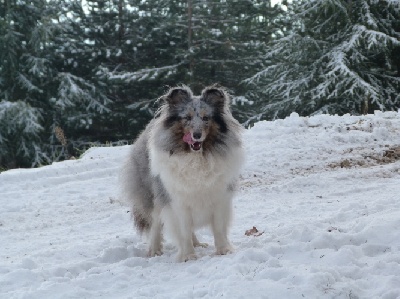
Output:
x=197 y=122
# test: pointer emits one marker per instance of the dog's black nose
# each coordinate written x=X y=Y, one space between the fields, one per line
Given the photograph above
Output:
x=196 y=135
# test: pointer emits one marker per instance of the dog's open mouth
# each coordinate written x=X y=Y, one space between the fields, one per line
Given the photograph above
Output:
x=196 y=146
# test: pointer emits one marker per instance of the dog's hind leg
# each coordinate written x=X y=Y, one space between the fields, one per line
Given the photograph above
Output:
x=196 y=242
x=155 y=234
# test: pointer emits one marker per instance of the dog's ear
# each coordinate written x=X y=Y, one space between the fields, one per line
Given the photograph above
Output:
x=215 y=95
x=177 y=95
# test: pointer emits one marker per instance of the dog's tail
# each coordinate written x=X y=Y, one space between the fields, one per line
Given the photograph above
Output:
x=136 y=183
x=139 y=197
x=142 y=222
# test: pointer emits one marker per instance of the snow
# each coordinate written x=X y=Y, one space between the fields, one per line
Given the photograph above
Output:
x=142 y=74
x=322 y=191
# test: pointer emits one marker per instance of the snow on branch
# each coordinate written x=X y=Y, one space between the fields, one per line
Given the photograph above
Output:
x=27 y=84
x=74 y=91
x=19 y=119
x=140 y=75
x=37 y=65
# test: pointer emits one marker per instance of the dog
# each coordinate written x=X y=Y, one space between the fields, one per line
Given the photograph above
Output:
x=183 y=169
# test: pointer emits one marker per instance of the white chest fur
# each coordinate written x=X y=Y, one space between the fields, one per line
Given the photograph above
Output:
x=197 y=183
x=193 y=174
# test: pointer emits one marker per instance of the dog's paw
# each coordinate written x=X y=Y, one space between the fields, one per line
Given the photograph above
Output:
x=225 y=250
x=198 y=244
x=186 y=257
x=154 y=252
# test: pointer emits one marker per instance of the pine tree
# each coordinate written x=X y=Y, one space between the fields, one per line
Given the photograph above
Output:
x=24 y=73
x=127 y=45
x=20 y=131
x=340 y=59
x=194 y=42
x=42 y=82
x=80 y=101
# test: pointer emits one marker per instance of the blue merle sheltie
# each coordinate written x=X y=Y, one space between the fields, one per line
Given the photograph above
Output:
x=182 y=171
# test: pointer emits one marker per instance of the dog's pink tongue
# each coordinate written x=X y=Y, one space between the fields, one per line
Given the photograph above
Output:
x=188 y=138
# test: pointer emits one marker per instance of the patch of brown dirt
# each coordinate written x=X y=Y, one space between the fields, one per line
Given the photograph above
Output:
x=390 y=155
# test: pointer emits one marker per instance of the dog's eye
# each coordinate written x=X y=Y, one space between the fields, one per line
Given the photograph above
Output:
x=205 y=118
x=189 y=118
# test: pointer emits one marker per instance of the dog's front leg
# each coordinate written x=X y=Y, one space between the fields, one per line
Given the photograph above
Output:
x=180 y=224
x=186 y=247
x=220 y=225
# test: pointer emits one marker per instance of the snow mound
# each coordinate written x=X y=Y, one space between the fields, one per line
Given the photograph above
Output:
x=322 y=193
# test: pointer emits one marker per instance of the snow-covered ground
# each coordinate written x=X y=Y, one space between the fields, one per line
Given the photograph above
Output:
x=323 y=192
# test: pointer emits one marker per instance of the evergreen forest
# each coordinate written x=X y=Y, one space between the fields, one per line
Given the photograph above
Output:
x=75 y=74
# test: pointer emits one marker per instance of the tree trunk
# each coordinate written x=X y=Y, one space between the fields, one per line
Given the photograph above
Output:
x=121 y=30
x=190 y=32
x=190 y=13
x=365 y=105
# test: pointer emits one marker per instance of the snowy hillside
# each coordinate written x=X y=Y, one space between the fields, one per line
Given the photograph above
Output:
x=323 y=193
